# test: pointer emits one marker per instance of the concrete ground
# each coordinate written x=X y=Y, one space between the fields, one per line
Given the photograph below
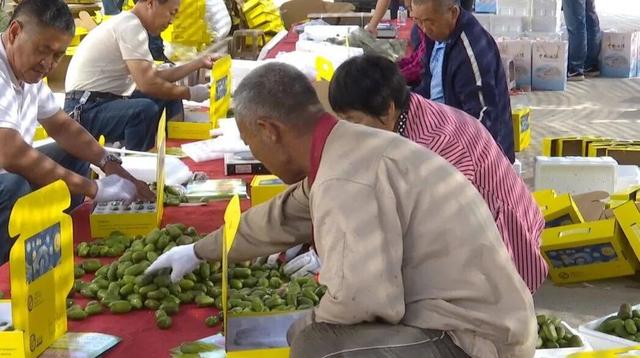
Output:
x=599 y=106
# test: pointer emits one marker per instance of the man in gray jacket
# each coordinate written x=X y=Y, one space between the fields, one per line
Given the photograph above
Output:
x=413 y=262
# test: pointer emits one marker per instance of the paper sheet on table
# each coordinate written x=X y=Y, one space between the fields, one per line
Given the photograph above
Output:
x=211 y=149
x=81 y=345
x=5 y=314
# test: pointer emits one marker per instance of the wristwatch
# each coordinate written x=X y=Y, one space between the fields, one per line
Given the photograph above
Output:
x=108 y=158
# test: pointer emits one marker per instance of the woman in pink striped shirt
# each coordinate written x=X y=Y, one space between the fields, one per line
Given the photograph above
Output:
x=371 y=90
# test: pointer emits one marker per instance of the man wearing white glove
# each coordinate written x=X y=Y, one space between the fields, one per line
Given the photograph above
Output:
x=112 y=85
x=411 y=256
x=26 y=101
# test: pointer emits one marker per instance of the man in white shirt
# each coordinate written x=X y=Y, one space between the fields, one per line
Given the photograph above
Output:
x=112 y=84
x=32 y=45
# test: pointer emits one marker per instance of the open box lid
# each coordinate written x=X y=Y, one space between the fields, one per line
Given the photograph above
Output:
x=628 y=216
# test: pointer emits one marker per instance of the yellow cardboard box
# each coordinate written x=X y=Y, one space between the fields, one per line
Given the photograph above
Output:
x=219 y=105
x=136 y=223
x=265 y=187
x=570 y=145
x=234 y=325
x=588 y=251
x=521 y=128
x=41 y=271
x=558 y=210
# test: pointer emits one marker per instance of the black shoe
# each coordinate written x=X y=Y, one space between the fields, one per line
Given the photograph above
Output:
x=592 y=72
x=575 y=76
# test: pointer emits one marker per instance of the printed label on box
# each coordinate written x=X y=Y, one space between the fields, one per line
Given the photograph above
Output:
x=583 y=255
x=42 y=252
x=549 y=65
x=520 y=51
x=619 y=54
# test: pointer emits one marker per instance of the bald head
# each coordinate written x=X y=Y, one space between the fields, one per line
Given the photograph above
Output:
x=277 y=91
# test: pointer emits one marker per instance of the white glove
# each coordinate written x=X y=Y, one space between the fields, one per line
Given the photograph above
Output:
x=181 y=260
x=303 y=265
x=115 y=188
x=199 y=93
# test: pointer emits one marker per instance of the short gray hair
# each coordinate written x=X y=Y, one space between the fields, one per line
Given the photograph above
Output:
x=441 y=4
x=46 y=13
x=278 y=91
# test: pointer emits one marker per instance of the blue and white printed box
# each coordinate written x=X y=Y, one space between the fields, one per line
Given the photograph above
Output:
x=619 y=54
x=520 y=52
x=549 y=65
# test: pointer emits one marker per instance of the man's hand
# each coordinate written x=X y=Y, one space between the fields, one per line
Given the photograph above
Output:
x=115 y=188
x=304 y=265
x=181 y=260
x=206 y=61
x=199 y=93
x=372 y=29
x=142 y=188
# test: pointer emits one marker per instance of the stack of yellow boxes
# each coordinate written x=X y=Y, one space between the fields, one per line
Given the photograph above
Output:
x=605 y=245
x=189 y=28
x=625 y=152
x=263 y=15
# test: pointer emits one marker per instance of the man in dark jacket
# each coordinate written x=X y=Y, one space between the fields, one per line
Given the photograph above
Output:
x=463 y=68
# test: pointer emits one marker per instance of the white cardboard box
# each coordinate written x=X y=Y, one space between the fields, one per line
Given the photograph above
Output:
x=520 y=51
x=549 y=65
x=546 y=24
x=506 y=25
x=619 y=54
x=575 y=175
x=546 y=8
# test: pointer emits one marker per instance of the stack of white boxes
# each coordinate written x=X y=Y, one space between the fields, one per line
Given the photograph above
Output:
x=620 y=54
x=546 y=16
x=527 y=31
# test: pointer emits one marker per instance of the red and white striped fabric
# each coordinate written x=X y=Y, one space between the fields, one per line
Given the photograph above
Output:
x=465 y=143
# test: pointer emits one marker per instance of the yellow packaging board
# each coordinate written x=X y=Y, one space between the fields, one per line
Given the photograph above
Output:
x=587 y=251
x=628 y=194
x=136 y=223
x=189 y=130
x=599 y=149
x=558 y=210
x=570 y=145
x=628 y=217
x=220 y=89
x=41 y=262
x=550 y=146
x=270 y=321
x=264 y=18
x=189 y=27
x=625 y=154
x=624 y=352
x=265 y=187
x=219 y=105
x=521 y=128
x=40 y=133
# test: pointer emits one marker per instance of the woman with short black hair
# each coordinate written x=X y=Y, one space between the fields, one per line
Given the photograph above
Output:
x=370 y=90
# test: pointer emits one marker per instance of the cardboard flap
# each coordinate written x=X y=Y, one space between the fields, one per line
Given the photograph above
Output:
x=295 y=11
x=591 y=205
x=628 y=216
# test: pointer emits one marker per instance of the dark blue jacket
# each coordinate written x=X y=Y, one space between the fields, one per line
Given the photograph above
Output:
x=473 y=79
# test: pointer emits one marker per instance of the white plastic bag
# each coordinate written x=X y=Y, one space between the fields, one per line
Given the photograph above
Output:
x=217 y=17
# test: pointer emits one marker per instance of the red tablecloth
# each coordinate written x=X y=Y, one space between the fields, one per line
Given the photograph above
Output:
x=140 y=336
x=288 y=44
